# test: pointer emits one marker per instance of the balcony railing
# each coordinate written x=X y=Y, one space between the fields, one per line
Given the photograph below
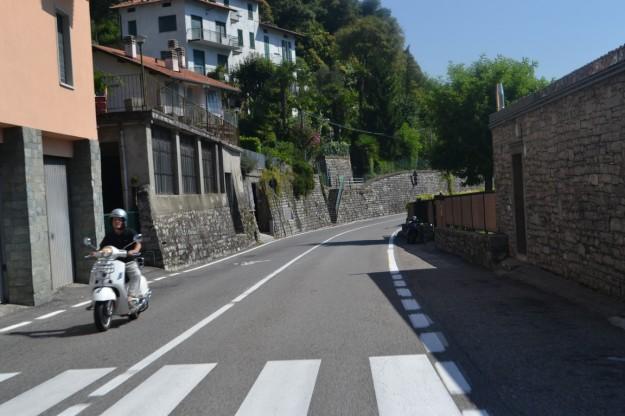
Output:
x=125 y=94
x=213 y=37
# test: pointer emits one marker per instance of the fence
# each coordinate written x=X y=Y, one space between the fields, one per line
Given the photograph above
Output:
x=469 y=211
x=125 y=93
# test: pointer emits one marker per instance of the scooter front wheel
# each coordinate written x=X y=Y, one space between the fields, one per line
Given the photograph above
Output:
x=103 y=314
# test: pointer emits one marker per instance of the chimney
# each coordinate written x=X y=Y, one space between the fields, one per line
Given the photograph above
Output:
x=130 y=46
x=171 y=60
x=501 y=103
x=182 y=59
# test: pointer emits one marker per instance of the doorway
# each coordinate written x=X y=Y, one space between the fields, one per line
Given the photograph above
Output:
x=519 y=203
x=234 y=204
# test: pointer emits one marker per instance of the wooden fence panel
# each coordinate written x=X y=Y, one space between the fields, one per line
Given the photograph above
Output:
x=467 y=217
x=490 y=201
x=477 y=202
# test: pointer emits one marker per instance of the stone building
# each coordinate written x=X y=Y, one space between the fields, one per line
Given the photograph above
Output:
x=49 y=167
x=559 y=158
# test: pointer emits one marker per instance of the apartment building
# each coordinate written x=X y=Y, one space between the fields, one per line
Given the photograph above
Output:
x=213 y=33
x=50 y=192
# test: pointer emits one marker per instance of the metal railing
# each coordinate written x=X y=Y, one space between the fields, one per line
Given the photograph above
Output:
x=213 y=36
x=125 y=94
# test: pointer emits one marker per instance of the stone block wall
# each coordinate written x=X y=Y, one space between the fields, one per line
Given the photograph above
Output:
x=573 y=152
x=180 y=230
x=335 y=167
x=482 y=249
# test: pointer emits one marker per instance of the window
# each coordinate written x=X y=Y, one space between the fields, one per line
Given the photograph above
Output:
x=208 y=168
x=131 y=10
x=266 y=41
x=252 y=41
x=167 y=4
x=250 y=11
x=221 y=29
x=199 y=61
x=286 y=51
x=188 y=158
x=64 y=49
x=196 y=27
x=167 y=23
x=132 y=27
x=222 y=60
x=163 y=155
x=240 y=33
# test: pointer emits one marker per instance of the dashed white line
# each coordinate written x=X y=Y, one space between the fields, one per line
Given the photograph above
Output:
x=6 y=376
x=419 y=320
x=452 y=377
x=78 y=305
x=404 y=293
x=51 y=314
x=160 y=278
x=410 y=304
x=433 y=341
x=399 y=283
x=8 y=328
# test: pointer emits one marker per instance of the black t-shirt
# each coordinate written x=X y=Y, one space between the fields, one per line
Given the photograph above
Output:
x=120 y=241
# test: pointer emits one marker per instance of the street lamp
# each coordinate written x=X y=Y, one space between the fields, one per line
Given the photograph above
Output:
x=140 y=40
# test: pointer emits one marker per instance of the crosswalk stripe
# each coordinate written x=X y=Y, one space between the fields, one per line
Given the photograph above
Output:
x=48 y=394
x=282 y=388
x=6 y=376
x=161 y=392
x=407 y=385
x=74 y=410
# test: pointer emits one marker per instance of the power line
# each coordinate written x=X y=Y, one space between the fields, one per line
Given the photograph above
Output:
x=346 y=127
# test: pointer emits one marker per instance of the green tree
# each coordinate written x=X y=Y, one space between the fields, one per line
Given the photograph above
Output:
x=459 y=111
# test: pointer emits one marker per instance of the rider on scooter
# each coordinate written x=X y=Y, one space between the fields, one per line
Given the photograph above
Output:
x=123 y=239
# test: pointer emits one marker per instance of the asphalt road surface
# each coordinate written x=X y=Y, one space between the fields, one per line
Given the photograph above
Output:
x=340 y=321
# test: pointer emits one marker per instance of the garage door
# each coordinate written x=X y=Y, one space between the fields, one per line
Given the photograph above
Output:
x=58 y=222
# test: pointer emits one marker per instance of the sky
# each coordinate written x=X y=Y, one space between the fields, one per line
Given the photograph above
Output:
x=560 y=35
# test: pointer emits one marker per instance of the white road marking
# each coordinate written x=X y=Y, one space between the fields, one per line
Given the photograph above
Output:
x=452 y=377
x=50 y=393
x=6 y=376
x=474 y=412
x=433 y=341
x=396 y=276
x=8 y=328
x=249 y=263
x=283 y=388
x=399 y=283
x=117 y=381
x=419 y=320
x=404 y=293
x=51 y=314
x=78 y=305
x=74 y=410
x=160 y=278
x=173 y=274
x=410 y=304
x=161 y=392
x=407 y=385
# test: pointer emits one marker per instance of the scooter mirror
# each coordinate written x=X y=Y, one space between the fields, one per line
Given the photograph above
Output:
x=138 y=238
x=87 y=241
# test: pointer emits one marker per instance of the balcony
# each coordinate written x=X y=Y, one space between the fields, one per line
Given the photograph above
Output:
x=126 y=94
x=213 y=38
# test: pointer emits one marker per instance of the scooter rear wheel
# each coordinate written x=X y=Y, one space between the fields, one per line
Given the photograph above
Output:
x=103 y=314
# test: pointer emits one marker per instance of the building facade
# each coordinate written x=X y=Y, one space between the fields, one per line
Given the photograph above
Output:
x=50 y=195
x=559 y=158
x=213 y=34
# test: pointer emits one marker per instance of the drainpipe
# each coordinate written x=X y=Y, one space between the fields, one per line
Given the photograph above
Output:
x=122 y=154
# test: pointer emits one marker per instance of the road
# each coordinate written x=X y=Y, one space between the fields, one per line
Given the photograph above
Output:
x=339 y=321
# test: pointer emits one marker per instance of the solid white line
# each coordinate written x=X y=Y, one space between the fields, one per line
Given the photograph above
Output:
x=173 y=274
x=162 y=392
x=452 y=377
x=410 y=304
x=474 y=412
x=74 y=410
x=160 y=278
x=6 y=376
x=8 y=328
x=407 y=385
x=78 y=305
x=433 y=341
x=419 y=320
x=51 y=314
x=404 y=293
x=48 y=394
x=117 y=381
x=283 y=388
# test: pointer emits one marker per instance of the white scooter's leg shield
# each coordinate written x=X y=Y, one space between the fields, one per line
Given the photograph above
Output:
x=102 y=294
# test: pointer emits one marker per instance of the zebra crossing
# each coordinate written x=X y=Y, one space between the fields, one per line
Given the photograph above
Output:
x=404 y=385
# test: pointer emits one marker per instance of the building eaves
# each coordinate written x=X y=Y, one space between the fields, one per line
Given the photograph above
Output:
x=158 y=65
x=134 y=3
x=274 y=27
x=596 y=71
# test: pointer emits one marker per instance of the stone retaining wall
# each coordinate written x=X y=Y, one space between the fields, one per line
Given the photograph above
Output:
x=483 y=249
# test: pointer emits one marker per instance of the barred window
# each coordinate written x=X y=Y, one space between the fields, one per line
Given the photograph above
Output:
x=208 y=167
x=187 y=162
x=163 y=155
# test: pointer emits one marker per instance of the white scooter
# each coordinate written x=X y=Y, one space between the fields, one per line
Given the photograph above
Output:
x=110 y=287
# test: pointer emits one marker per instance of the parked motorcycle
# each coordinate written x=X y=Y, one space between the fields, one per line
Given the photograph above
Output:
x=110 y=286
x=416 y=231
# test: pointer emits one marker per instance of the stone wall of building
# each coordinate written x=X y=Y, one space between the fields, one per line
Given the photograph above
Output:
x=571 y=139
x=483 y=249
x=180 y=230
